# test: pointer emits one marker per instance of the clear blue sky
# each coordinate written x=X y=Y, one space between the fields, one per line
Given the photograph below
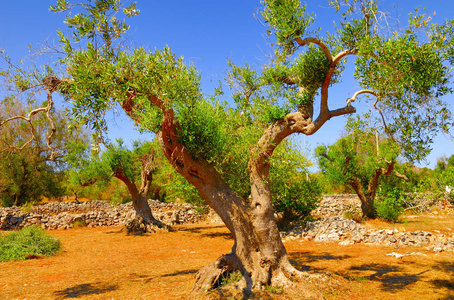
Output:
x=206 y=33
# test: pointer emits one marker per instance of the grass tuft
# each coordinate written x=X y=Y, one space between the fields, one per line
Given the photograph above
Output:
x=29 y=242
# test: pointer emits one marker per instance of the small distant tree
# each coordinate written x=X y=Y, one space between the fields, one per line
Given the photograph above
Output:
x=135 y=168
x=360 y=159
x=444 y=174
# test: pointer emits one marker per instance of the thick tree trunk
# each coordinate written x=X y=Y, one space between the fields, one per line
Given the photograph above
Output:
x=368 y=198
x=144 y=221
x=258 y=252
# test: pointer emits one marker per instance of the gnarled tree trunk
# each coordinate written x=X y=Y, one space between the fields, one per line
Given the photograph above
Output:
x=144 y=220
x=258 y=252
x=368 y=198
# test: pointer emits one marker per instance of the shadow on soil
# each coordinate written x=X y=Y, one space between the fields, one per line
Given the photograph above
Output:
x=85 y=290
x=181 y=273
x=391 y=277
x=447 y=267
x=300 y=259
x=140 y=278
x=390 y=282
x=200 y=230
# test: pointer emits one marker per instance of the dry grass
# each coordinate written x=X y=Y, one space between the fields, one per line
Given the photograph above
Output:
x=103 y=264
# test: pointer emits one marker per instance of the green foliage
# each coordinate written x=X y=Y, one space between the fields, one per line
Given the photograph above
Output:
x=288 y=19
x=391 y=206
x=274 y=289
x=356 y=155
x=28 y=174
x=404 y=71
x=231 y=278
x=292 y=192
x=407 y=71
x=409 y=78
x=27 y=243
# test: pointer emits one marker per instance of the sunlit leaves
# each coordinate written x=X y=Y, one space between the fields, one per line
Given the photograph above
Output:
x=97 y=22
x=310 y=69
x=292 y=190
x=288 y=19
x=357 y=154
x=410 y=79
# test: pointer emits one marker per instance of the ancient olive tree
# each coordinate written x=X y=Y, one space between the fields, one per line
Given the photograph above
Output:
x=212 y=144
x=134 y=168
x=360 y=159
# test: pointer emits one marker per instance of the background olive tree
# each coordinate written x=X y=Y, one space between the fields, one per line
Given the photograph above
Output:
x=29 y=171
x=360 y=159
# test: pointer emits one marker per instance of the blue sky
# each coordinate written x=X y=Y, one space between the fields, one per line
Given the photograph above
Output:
x=206 y=33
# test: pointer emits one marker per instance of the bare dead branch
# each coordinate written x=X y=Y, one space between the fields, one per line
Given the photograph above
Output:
x=51 y=84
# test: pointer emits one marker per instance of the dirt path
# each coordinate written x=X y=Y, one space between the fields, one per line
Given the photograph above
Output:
x=101 y=264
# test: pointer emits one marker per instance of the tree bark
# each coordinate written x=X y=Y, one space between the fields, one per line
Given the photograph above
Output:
x=368 y=198
x=258 y=252
x=144 y=220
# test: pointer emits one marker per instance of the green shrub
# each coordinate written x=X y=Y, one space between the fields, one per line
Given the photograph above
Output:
x=354 y=214
x=233 y=277
x=391 y=206
x=27 y=243
x=79 y=224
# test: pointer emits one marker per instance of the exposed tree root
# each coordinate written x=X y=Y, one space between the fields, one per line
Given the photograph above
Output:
x=284 y=279
x=212 y=275
x=140 y=226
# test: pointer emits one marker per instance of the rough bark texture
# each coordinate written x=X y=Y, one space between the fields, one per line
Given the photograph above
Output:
x=367 y=198
x=258 y=252
x=144 y=221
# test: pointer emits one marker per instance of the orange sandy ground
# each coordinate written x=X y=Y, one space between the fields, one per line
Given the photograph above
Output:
x=100 y=263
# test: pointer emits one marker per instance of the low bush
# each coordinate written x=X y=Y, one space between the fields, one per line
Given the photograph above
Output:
x=354 y=214
x=391 y=206
x=29 y=242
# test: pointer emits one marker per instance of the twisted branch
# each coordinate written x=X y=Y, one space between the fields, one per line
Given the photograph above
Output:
x=51 y=85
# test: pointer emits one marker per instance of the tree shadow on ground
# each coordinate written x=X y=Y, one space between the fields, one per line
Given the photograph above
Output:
x=225 y=235
x=389 y=282
x=85 y=290
x=446 y=267
x=193 y=271
x=201 y=230
x=140 y=278
x=300 y=259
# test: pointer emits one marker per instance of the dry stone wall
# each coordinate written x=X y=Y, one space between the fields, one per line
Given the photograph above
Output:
x=333 y=227
x=63 y=215
x=337 y=205
x=348 y=232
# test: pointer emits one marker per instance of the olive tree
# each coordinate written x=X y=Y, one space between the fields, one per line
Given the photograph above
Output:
x=212 y=144
x=360 y=159
x=134 y=168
